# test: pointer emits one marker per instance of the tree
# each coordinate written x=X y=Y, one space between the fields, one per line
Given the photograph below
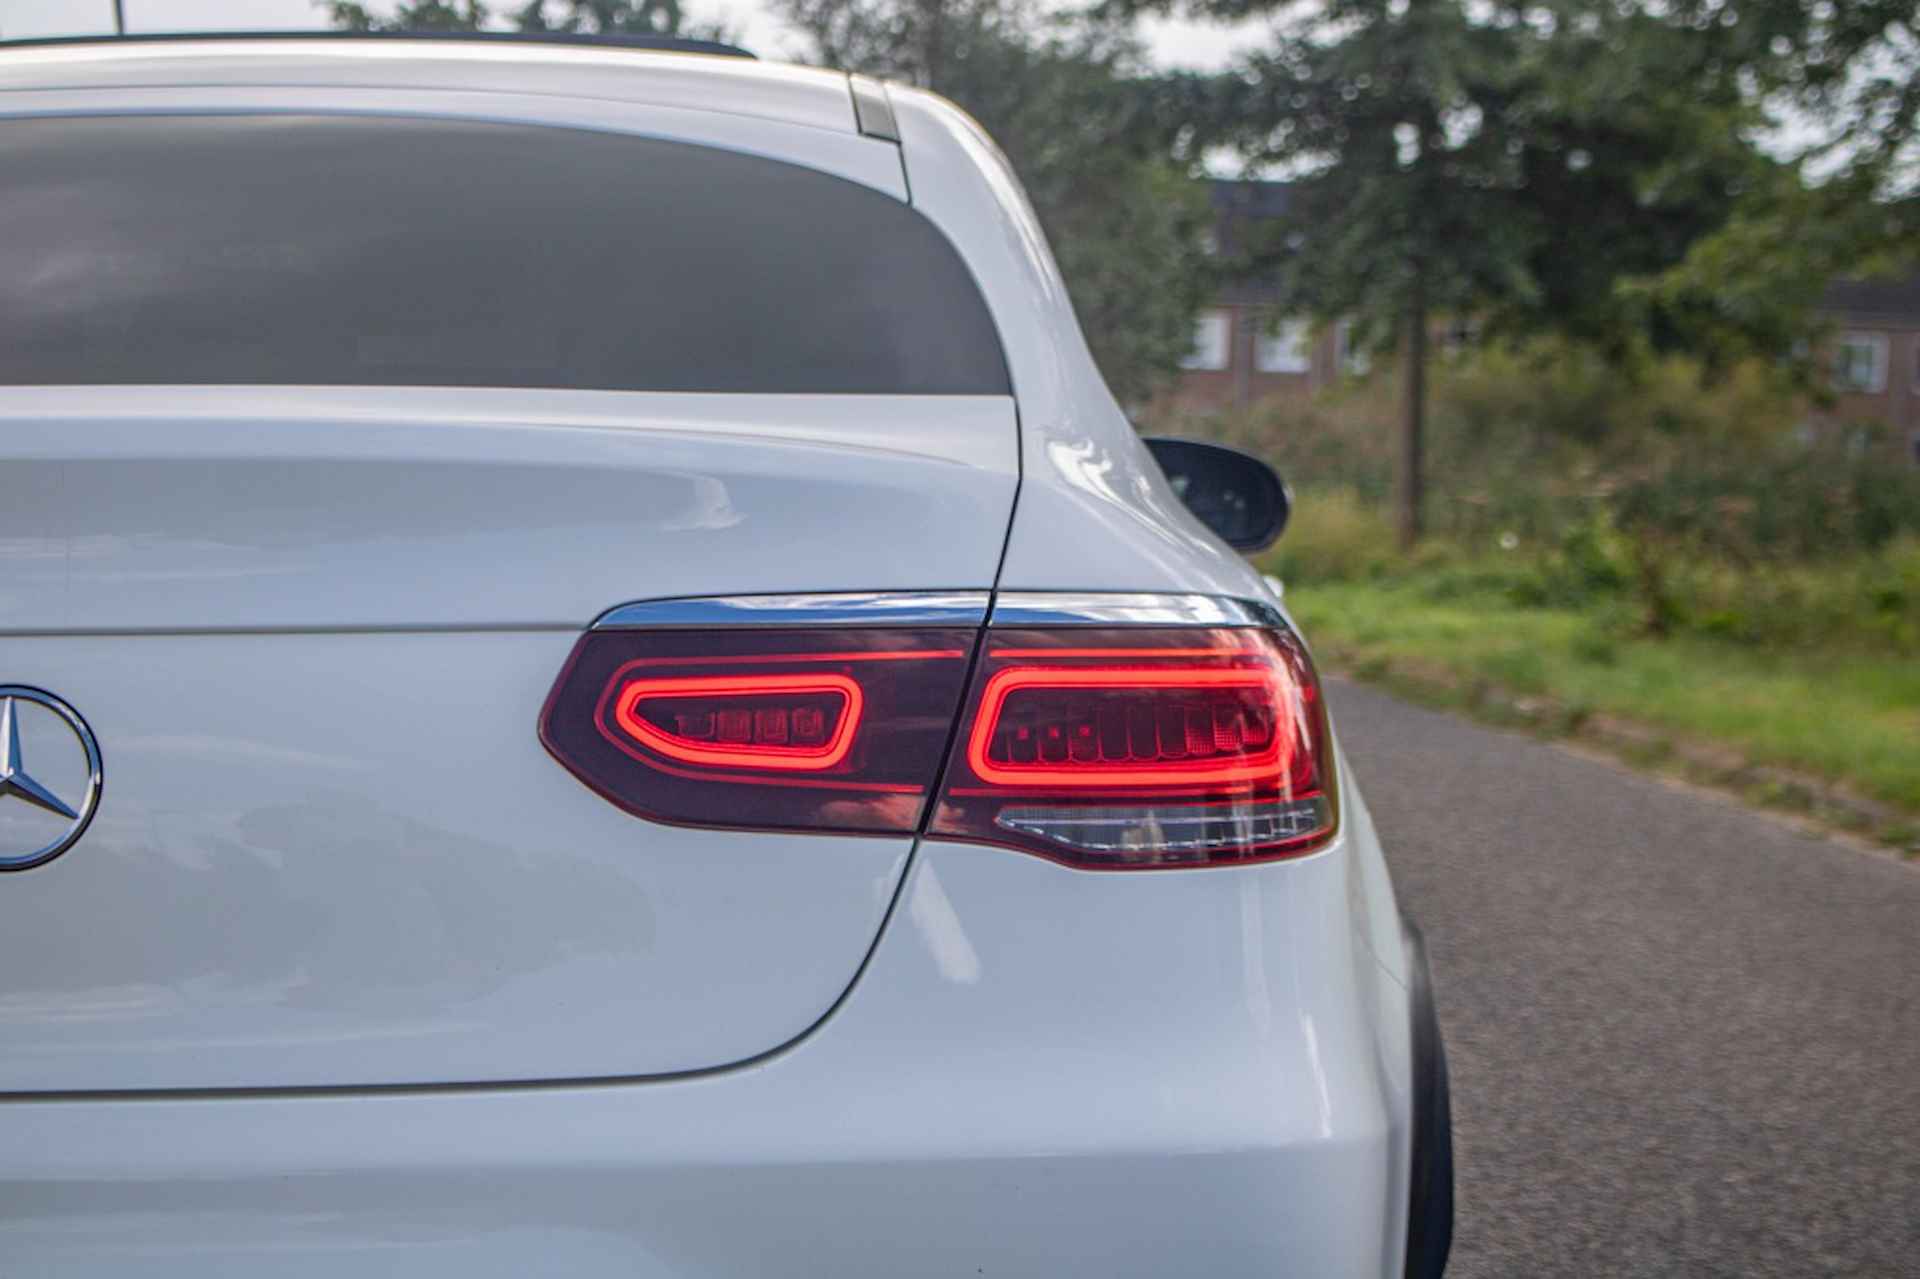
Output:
x=607 y=17
x=1515 y=162
x=1101 y=146
x=1392 y=117
x=595 y=17
x=1845 y=79
x=422 y=15
x=1850 y=70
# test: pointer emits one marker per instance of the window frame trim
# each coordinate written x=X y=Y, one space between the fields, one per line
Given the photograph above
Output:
x=1225 y=316
x=1262 y=338
x=1881 y=343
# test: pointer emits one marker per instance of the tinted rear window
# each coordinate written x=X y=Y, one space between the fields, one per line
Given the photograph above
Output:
x=392 y=251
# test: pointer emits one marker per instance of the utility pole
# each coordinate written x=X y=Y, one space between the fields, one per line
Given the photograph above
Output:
x=119 y=17
x=1409 y=474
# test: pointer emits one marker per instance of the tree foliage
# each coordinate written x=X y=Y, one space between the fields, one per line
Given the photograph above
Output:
x=418 y=15
x=1103 y=149
x=1844 y=81
x=587 y=17
x=1585 y=167
x=1849 y=70
x=1513 y=164
x=1517 y=162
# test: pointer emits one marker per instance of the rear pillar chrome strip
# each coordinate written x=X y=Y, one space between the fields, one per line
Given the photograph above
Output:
x=943 y=608
x=865 y=608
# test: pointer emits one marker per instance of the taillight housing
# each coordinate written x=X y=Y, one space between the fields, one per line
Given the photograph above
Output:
x=1138 y=748
x=1118 y=744
x=823 y=729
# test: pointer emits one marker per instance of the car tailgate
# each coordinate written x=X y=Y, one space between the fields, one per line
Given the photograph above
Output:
x=312 y=631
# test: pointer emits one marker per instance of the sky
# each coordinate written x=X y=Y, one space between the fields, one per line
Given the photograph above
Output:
x=1170 y=43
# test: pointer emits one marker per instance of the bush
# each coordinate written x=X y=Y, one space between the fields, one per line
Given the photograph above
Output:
x=1332 y=441
x=1334 y=535
x=1527 y=443
x=1652 y=499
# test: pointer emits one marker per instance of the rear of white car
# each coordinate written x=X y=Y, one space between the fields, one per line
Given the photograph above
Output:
x=618 y=698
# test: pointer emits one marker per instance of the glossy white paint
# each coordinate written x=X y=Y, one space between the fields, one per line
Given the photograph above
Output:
x=346 y=859
x=1095 y=510
x=179 y=508
x=843 y=154
x=343 y=858
x=767 y=92
x=1039 y=1071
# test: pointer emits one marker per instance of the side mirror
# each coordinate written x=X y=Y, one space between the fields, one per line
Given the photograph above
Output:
x=1235 y=494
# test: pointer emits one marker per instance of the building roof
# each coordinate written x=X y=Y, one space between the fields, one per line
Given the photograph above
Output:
x=1239 y=208
x=1253 y=198
x=1883 y=299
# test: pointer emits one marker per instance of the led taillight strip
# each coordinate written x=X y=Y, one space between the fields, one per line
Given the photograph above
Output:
x=715 y=691
x=1089 y=744
x=1266 y=763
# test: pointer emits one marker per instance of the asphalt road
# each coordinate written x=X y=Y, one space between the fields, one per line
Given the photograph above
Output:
x=1685 y=1036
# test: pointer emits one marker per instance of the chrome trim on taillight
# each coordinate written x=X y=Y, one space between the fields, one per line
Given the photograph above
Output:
x=943 y=608
x=1099 y=608
x=863 y=608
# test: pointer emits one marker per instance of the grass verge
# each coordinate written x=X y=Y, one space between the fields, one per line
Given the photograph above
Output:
x=1851 y=720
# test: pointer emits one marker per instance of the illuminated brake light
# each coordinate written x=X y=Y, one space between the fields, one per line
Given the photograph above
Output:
x=1118 y=726
x=1123 y=747
x=1138 y=749
x=809 y=729
x=803 y=723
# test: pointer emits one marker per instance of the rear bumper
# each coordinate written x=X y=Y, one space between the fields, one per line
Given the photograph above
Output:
x=1205 y=1071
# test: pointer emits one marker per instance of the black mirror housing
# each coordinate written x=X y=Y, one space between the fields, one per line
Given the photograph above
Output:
x=1235 y=494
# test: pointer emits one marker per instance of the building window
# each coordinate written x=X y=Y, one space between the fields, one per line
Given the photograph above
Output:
x=1286 y=349
x=1355 y=360
x=1210 y=334
x=1860 y=363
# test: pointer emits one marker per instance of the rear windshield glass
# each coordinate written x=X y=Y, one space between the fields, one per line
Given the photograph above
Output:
x=418 y=252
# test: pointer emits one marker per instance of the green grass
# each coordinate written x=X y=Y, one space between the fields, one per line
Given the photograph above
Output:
x=1852 y=717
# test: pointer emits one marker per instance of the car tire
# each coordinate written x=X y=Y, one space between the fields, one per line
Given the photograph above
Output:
x=1430 y=1212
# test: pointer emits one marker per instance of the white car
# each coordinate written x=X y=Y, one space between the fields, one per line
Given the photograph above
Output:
x=592 y=683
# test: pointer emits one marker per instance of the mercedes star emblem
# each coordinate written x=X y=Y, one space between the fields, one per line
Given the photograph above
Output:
x=45 y=805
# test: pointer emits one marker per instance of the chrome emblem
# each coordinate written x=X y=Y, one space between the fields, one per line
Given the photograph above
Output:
x=43 y=811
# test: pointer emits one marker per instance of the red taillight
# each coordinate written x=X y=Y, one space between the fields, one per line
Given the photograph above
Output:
x=803 y=729
x=1110 y=748
x=786 y=723
x=1119 y=725
x=1143 y=748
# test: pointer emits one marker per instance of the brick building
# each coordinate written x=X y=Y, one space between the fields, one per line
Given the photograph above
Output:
x=1236 y=361
x=1875 y=355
